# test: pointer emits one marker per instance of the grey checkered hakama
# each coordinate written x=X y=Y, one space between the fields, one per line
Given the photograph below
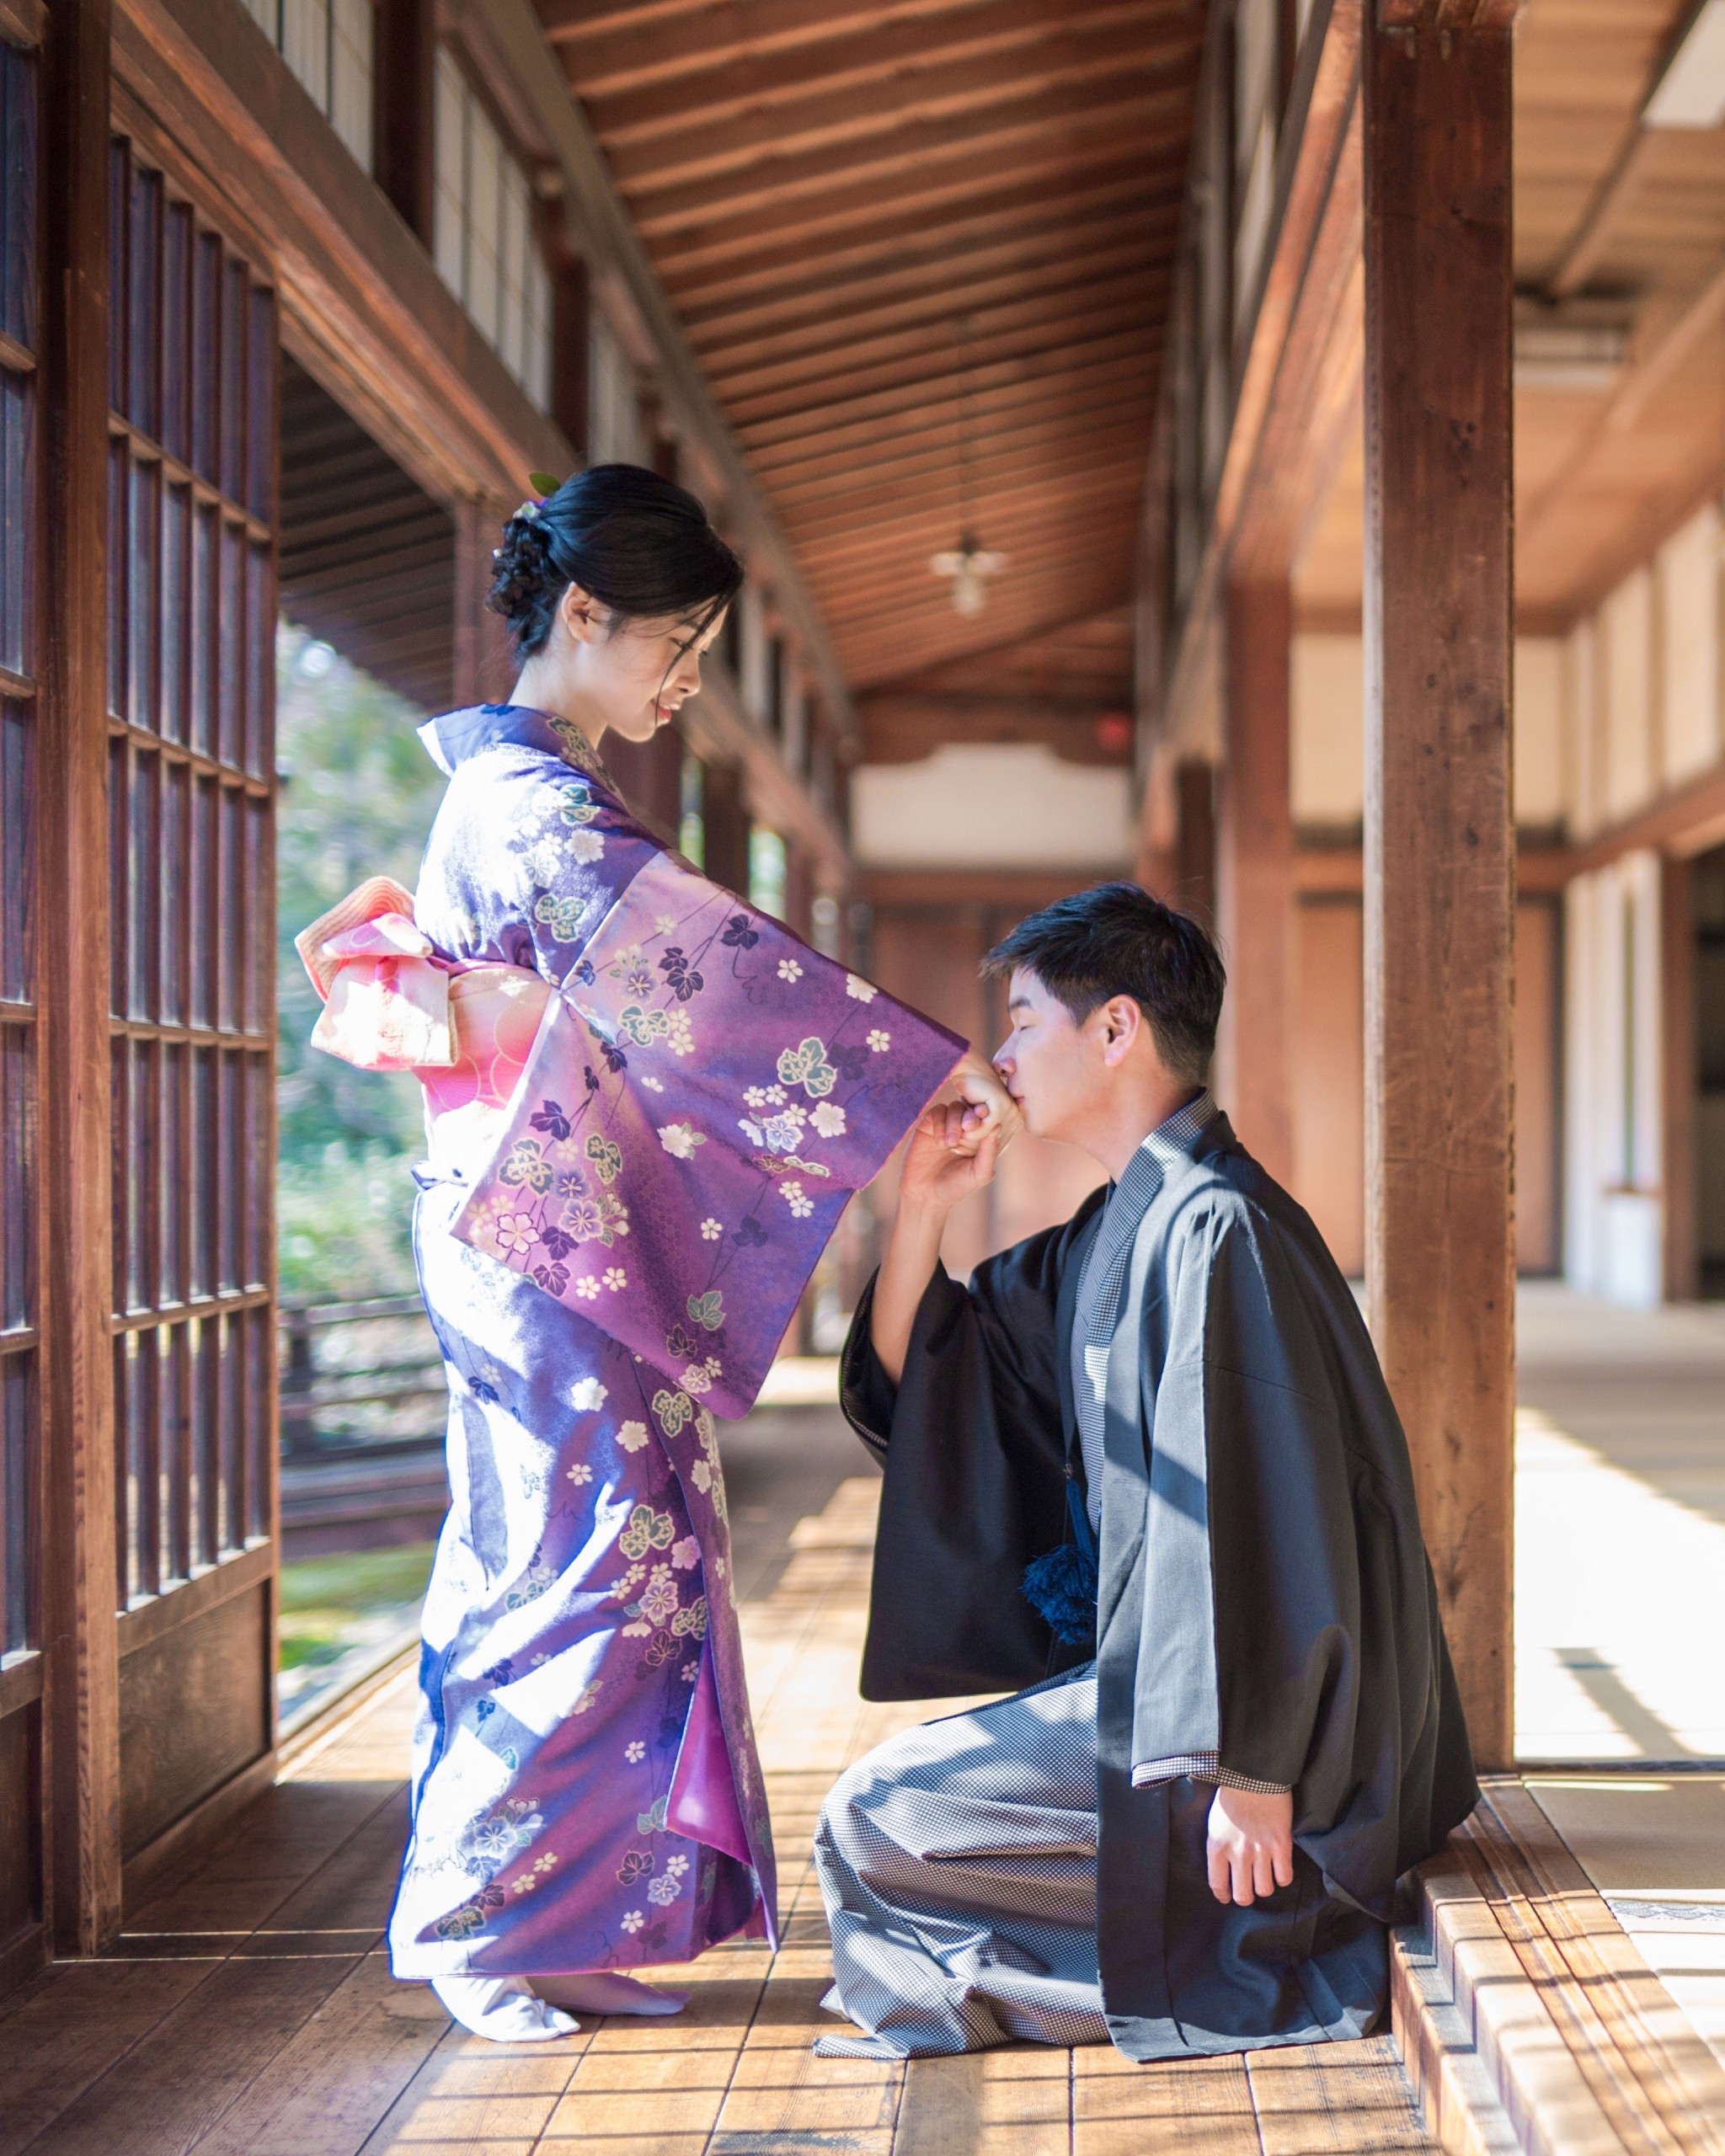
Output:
x=958 y=1862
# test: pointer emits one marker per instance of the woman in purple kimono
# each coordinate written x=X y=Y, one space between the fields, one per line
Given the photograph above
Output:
x=647 y=1105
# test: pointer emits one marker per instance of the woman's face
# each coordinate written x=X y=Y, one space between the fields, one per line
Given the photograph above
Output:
x=634 y=675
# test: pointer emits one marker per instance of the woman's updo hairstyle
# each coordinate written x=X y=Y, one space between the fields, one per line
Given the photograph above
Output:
x=640 y=544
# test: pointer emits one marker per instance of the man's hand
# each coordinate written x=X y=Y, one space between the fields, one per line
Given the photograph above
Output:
x=952 y=1152
x=1251 y=1846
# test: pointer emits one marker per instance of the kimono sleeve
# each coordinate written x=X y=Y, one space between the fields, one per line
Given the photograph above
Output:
x=1248 y=1649
x=705 y=1095
x=973 y=1460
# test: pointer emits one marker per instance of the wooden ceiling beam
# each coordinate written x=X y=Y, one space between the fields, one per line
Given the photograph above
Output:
x=813 y=222
x=1108 y=436
x=707 y=94
x=1074 y=533
x=1009 y=207
x=710 y=151
x=797 y=427
x=1010 y=504
x=936 y=288
x=902 y=636
x=812 y=402
x=884 y=481
x=1005 y=517
x=876 y=451
x=617 y=54
x=931 y=344
x=1054 y=124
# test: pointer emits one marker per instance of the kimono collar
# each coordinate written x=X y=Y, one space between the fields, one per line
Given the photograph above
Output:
x=454 y=737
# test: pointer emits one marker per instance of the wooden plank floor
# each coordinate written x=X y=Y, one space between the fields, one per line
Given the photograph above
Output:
x=250 y=2010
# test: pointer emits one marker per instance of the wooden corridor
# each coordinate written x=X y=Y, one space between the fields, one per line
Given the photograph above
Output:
x=249 y=2011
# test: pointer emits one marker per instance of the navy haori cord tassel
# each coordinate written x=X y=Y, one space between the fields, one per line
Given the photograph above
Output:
x=1062 y=1586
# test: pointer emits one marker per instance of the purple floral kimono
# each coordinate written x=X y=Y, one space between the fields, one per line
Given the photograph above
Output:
x=613 y=1264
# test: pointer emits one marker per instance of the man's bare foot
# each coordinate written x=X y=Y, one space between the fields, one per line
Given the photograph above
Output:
x=601 y=1991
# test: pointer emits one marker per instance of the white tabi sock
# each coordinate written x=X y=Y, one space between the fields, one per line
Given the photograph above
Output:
x=503 y=2009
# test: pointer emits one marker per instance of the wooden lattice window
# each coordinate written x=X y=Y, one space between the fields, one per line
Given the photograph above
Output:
x=192 y=623
x=18 y=1359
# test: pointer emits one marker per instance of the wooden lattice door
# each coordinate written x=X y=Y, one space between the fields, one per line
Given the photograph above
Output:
x=193 y=434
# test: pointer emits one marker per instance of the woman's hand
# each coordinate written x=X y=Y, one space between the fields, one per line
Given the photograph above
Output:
x=1251 y=1844
x=988 y=1107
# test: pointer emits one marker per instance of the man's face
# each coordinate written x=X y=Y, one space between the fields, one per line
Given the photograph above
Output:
x=1050 y=1064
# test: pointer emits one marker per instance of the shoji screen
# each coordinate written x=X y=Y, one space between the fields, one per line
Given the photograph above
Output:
x=193 y=435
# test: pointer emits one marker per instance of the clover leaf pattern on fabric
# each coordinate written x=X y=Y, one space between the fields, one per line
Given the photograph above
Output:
x=607 y=1158
x=647 y=1529
x=806 y=1065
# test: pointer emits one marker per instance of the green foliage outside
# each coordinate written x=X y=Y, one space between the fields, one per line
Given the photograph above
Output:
x=325 y=1600
x=357 y=799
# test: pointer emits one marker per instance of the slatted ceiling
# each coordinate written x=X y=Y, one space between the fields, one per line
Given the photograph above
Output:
x=1582 y=70
x=903 y=242
x=828 y=189
x=367 y=560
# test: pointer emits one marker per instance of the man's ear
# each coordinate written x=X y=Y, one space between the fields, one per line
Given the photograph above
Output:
x=1122 y=1023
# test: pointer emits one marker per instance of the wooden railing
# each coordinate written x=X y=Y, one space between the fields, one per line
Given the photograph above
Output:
x=363 y=1410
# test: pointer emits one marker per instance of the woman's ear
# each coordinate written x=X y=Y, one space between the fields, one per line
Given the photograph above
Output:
x=578 y=614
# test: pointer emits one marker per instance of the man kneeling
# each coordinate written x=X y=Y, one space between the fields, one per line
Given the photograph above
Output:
x=1146 y=1464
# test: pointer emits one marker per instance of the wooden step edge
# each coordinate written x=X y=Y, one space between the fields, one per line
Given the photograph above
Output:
x=1530 y=1981
x=1456 y=1956
x=1455 y=2094
x=1669 y=2057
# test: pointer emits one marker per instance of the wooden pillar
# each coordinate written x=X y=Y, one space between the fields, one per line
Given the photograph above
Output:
x=727 y=828
x=1440 y=838
x=571 y=348
x=481 y=669
x=404 y=79
x=1194 y=890
x=1680 y=1078
x=79 y=1581
x=1255 y=875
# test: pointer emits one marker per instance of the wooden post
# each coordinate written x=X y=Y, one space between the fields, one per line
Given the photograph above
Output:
x=570 y=352
x=1195 y=839
x=405 y=65
x=1680 y=1078
x=1255 y=874
x=1440 y=838
x=482 y=668
x=727 y=828
x=79 y=1581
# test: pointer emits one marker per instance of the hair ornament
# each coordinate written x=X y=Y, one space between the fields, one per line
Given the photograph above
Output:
x=530 y=510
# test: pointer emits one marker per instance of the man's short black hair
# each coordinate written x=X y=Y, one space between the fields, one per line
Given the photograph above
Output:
x=1117 y=940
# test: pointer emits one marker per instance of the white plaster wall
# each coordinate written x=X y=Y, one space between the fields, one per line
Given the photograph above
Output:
x=1014 y=805
x=1624 y=687
x=1688 y=647
x=1539 y=730
x=1614 y=1207
x=1327 y=729
x=1582 y=783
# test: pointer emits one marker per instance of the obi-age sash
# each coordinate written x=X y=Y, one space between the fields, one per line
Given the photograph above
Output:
x=663 y=1144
